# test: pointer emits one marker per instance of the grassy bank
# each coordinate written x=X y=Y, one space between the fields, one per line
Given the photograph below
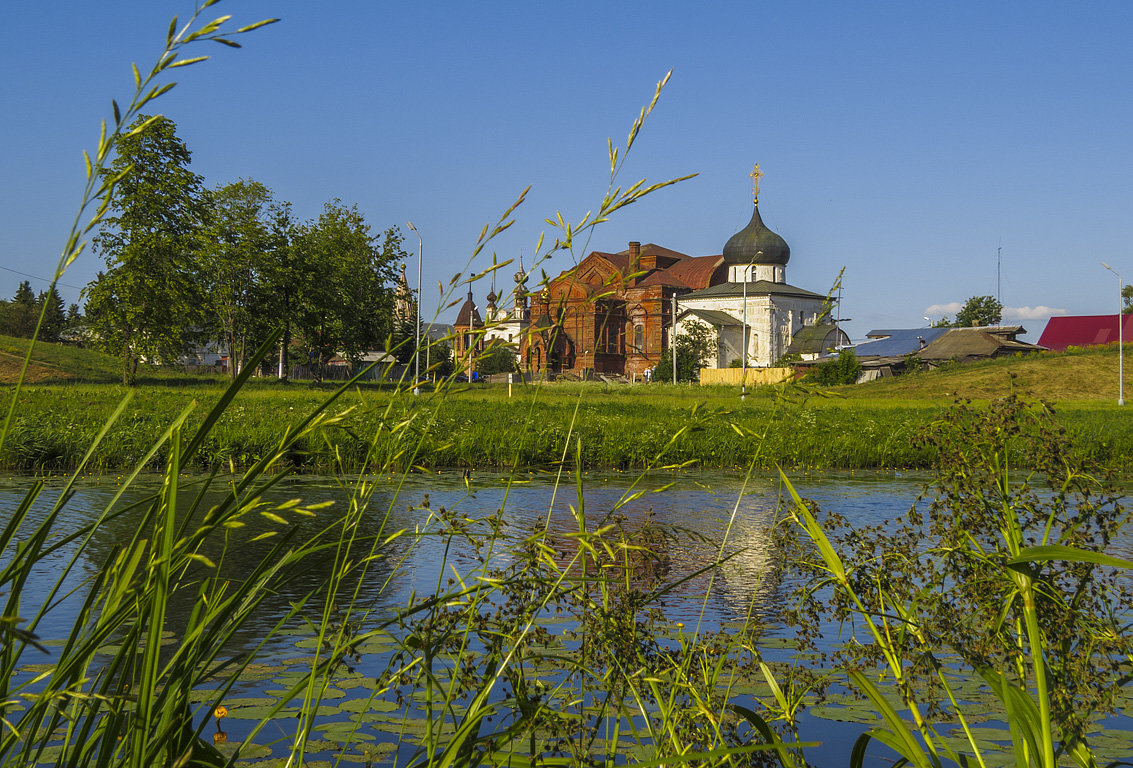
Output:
x=480 y=427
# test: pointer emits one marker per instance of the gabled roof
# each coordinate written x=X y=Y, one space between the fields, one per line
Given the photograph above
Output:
x=960 y=343
x=690 y=273
x=713 y=317
x=1083 y=331
x=756 y=288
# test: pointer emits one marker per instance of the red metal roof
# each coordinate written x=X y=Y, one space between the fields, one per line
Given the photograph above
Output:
x=1084 y=331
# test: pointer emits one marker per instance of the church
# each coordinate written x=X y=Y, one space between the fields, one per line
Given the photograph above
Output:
x=613 y=313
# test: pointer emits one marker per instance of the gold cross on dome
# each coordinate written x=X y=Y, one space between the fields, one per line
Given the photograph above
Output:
x=755 y=174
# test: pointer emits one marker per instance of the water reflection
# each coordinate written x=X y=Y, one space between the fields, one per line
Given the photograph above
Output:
x=709 y=514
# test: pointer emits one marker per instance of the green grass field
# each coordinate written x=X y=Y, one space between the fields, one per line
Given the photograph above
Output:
x=478 y=426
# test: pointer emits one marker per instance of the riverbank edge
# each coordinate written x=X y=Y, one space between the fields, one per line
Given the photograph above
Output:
x=54 y=426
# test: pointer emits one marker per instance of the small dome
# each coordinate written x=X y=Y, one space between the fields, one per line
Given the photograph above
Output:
x=492 y=297
x=744 y=246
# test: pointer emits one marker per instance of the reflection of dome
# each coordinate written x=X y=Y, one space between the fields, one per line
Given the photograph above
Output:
x=744 y=247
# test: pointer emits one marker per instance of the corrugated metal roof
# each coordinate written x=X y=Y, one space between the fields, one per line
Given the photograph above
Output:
x=898 y=341
x=1084 y=331
x=756 y=288
x=816 y=339
x=713 y=316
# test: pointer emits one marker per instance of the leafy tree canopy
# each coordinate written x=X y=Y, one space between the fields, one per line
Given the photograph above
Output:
x=148 y=302
x=978 y=310
x=694 y=346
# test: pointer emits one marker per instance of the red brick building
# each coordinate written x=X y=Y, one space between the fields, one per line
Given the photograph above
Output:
x=610 y=314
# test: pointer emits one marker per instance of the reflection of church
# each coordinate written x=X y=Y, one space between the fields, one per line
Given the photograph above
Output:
x=612 y=314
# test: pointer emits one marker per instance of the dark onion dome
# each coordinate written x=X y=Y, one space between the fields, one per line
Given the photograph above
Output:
x=492 y=297
x=744 y=246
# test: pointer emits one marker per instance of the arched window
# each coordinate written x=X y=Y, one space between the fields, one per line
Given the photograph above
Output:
x=639 y=338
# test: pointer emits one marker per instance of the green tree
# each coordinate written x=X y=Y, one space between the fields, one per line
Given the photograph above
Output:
x=694 y=346
x=147 y=304
x=979 y=310
x=21 y=313
x=343 y=303
x=498 y=358
x=1127 y=295
x=74 y=317
x=54 y=318
x=240 y=250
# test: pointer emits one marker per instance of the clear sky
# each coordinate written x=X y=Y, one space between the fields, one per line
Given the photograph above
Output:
x=904 y=141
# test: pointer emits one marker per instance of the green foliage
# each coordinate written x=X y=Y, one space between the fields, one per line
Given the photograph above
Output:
x=54 y=321
x=1006 y=572
x=694 y=348
x=844 y=369
x=497 y=358
x=242 y=247
x=978 y=310
x=342 y=275
x=18 y=317
x=1127 y=297
x=150 y=298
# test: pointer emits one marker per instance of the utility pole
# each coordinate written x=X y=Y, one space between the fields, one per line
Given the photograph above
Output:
x=1120 y=340
x=417 y=316
x=673 y=337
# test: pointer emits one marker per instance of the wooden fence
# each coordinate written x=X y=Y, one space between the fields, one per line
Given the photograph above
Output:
x=735 y=376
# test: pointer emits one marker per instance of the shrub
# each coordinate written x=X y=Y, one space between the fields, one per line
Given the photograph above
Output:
x=843 y=369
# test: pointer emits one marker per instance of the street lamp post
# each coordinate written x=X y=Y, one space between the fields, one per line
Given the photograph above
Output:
x=743 y=336
x=417 y=319
x=1120 y=341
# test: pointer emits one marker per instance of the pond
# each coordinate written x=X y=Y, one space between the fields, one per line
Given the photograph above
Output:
x=710 y=511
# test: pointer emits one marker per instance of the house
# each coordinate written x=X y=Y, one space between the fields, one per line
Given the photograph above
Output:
x=976 y=343
x=1084 y=331
x=888 y=351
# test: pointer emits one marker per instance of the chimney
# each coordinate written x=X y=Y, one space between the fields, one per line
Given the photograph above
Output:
x=634 y=263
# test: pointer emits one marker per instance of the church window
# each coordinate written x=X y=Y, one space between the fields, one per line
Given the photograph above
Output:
x=609 y=330
x=639 y=338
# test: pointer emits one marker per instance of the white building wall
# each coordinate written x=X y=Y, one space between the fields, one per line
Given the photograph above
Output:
x=772 y=322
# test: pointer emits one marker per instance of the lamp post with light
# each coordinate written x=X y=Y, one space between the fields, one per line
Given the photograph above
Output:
x=743 y=336
x=417 y=312
x=1120 y=341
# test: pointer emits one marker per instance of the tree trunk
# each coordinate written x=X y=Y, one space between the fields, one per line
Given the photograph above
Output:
x=284 y=343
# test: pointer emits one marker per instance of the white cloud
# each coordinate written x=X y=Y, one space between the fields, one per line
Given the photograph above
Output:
x=1040 y=312
x=944 y=309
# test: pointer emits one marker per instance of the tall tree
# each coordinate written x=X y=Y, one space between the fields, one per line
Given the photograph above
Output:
x=21 y=313
x=238 y=252
x=55 y=318
x=979 y=310
x=147 y=304
x=1127 y=295
x=343 y=275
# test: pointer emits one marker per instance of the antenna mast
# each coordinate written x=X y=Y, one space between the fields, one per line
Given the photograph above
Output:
x=998 y=273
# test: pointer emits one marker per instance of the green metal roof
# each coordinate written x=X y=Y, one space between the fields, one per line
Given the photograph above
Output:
x=756 y=288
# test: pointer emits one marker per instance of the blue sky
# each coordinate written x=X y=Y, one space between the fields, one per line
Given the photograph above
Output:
x=906 y=142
